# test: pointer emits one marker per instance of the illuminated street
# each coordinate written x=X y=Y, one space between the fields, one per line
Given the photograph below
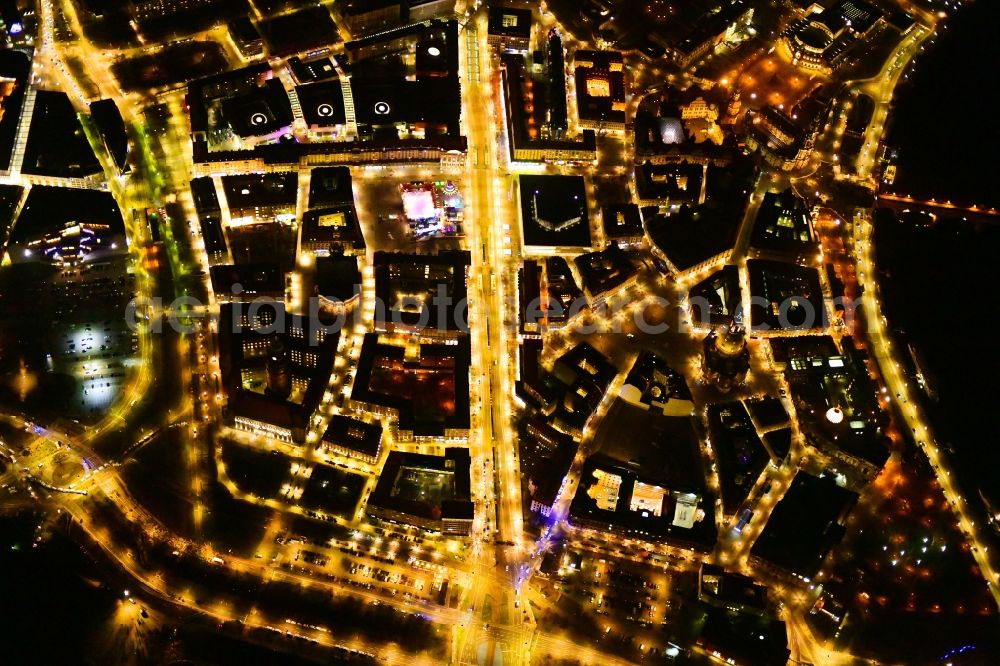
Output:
x=484 y=333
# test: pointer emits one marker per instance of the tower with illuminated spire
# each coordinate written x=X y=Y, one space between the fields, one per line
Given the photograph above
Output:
x=726 y=359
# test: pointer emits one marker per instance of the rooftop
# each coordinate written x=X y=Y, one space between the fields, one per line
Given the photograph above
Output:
x=48 y=209
x=322 y=103
x=421 y=289
x=744 y=638
x=337 y=277
x=788 y=296
x=662 y=449
x=427 y=384
x=259 y=111
x=546 y=456
x=784 y=226
x=621 y=221
x=653 y=383
x=298 y=31
x=252 y=190
x=330 y=185
x=605 y=271
x=337 y=225
x=426 y=486
x=57 y=145
x=678 y=182
x=14 y=69
x=310 y=71
x=354 y=434
x=250 y=279
x=740 y=453
x=767 y=413
x=249 y=334
x=600 y=86
x=554 y=211
x=821 y=378
x=730 y=589
x=805 y=525
x=509 y=22
x=696 y=233
x=210 y=91
x=716 y=299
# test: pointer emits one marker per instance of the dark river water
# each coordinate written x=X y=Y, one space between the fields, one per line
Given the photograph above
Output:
x=941 y=283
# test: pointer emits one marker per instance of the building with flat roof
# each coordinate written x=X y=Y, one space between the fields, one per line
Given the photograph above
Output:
x=743 y=639
x=804 y=526
x=531 y=309
x=600 y=89
x=245 y=36
x=786 y=298
x=353 y=438
x=605 y=273
x=836 y=402
x=623 y=225
x=399 y=89
x=509 y=28
x=57 y=145
x=554 y=213
x=716 y=299
x=429 y=492
x=768 y=413
x=330 y=186
x=563 y=293
x=15 y=67
x=368 y=16
x=111 y=126
x=698 y=236
x=322 y=105
x=646 y=479
x=730 y=22
x=399 y=108
x=423 y=10
x=313 y=70
x=546 y=458
x=50 y=213
x=423 y=294
x=585 y=375
x=404 y=82
x=534 y=386
x=261 y=197
x=670 y=184
x=778 y=444
x=332 y=229
x=206 y=205
x=156 y=10
x=783 y=228
x=741 y=455
x=547 y=296
x=205 y=96
x=424 y=387
x=613 y=497
x=732 y=591
x=327 y=285
x=275 y=368
x=526 y=140
x=245 y=282
x=261 y=114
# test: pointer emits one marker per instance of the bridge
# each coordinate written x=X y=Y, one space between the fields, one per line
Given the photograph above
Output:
x=902 y=204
